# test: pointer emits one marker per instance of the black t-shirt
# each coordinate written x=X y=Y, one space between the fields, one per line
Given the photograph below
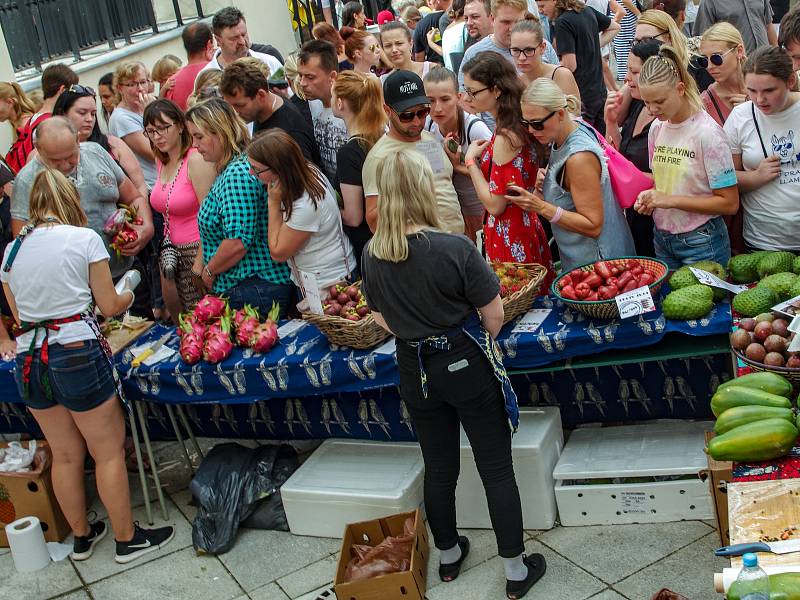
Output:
x=349 y=162
x=437 y=288
x=302 y=107
x=6 y=175
x=578 y=33
x=427 y=23
x=779 y=9
x=288 y=118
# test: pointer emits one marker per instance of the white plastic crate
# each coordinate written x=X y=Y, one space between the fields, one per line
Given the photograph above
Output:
x=535 y=448
x=606 y=475
x=348 y=481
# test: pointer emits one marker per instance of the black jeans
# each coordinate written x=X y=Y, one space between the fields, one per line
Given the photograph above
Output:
x=471 y=396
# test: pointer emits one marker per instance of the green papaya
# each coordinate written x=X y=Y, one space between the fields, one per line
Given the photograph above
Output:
x=766 y=381
x=782 y=586
x=729 y=397
x=739 y=415
x=754 y=442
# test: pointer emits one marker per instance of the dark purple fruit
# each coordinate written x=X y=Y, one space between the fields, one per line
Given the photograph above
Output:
x=755 y=352
x=763 y=330
x=775 y=343
x=740 y=339
x=774 y=359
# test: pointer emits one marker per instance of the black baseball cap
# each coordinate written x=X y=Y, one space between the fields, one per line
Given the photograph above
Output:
x=403 y=90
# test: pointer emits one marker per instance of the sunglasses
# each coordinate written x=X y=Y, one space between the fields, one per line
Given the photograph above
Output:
x=410 y=115
x=526 y=52
x=537 y=124
x=715 y=59
x=81 y=89
x=647 y=38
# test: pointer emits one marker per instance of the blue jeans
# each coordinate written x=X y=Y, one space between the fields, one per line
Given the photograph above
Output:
x=707 y=242
x=260 y=294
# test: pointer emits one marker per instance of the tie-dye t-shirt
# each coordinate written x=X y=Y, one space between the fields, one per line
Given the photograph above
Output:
x=688 y=159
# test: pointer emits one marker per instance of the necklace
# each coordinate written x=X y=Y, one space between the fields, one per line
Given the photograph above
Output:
x=164 y=184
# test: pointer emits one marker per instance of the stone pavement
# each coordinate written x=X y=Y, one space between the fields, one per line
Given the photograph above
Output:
x=602 y=563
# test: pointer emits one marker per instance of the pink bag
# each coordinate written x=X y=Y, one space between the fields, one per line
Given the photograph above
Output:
x=627 y=182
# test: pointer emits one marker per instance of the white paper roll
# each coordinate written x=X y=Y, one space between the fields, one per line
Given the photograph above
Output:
x=28 y=548
x=729 y=575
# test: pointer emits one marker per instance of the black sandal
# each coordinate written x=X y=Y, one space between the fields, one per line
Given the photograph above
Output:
x=536 y=568
x=450 y=571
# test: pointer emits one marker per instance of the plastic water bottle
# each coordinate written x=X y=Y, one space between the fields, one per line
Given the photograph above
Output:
x=753 y=582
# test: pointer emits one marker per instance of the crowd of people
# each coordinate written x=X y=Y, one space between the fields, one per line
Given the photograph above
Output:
x=407 y=152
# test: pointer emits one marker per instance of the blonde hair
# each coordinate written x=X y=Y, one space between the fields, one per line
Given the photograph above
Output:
x=516 y=4
x=293 y=75
x=10 y=90
x=124 y=73
x=666 y=24
x=665 y=68
x=407 y=197
x=545 y=92
x=364 y=94
x=37 y=99
x=54 y=194
x=216 y=117
x=166 y=67
x=204 y=86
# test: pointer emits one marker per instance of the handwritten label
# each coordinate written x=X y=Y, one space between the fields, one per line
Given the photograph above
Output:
x=290 y=327
x=707 y=278
x=531 y=320
x=433 y=153
x=790 y=308
x=636 y=302
x=311 y=290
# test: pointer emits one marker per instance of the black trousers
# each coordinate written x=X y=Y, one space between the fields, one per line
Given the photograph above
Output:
x=466 y=393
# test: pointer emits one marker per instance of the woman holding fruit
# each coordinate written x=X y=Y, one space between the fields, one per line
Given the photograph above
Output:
x=305 y=225
x=588 y=223
x=512 y=233
x=450 y=374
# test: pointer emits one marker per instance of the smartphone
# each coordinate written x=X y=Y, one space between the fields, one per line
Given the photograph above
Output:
x=512 y=192
x=452 y=145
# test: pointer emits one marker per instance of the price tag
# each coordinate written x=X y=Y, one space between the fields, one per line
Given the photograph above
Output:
x=636 y=302
x=433 y=153
x=795 y=345
x=794 y=326
x=311 y=290
x=708 y=279
x=290 y=327
x=389 y=347
x=531 y=320
x=789 y=308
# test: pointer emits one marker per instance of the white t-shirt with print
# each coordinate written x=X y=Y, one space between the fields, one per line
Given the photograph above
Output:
x=328 y=253
x=771 y=212
x=50 y=279
x=331 y=134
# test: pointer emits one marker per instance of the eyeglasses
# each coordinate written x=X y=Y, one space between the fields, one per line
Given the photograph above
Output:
x=151 y=133
x=140 y=83
x=256 y=172
x=647 y=38
x=528 y=51
x=537 y=124
x=410 y=115
x=81 y=89
x=472 y=93
x=715 y=59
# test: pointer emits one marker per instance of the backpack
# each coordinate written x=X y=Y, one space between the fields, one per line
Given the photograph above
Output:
x=18 y=153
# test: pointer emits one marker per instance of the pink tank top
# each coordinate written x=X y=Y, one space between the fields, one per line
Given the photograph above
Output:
x=183 y=204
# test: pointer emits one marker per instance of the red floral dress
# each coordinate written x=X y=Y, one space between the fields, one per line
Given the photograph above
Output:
x=516 y=235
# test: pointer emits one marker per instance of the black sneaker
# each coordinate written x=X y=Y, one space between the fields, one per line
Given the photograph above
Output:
x=143 y=542
x=536 y=568
x=84 y=545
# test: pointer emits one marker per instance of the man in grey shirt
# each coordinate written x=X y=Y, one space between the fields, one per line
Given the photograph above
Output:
x=100 y=181
x=753 y=19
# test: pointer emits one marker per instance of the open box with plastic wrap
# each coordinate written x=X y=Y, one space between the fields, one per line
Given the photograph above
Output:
x=30 y=494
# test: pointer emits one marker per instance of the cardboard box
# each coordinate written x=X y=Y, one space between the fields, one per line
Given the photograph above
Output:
x=407 y=585
x=719 y=475
x=31 y=495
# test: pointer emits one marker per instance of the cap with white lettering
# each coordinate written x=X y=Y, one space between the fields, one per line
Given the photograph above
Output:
x=403 y=90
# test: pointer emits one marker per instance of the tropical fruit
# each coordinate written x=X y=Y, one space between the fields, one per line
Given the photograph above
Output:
x=726 y=398
x=741 y=415
x=744 y=267
x=764 y=381
x=780 y=283
x=796 y=265
x=795 y=289
x=775 y=262
x=683 y=277
x=712 y=267
x=753 y=442
x=754 y=301
x=691 y=302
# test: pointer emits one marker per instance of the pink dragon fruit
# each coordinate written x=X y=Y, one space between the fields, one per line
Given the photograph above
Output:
x=243 y=313
x=265 y=336
x=218 y=343
x=248 y=321
x=191 y=348
x=210 y=308
x=115 y=222
x=188 y=323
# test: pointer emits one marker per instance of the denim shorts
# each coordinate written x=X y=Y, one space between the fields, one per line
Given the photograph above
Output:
x=80 y=378
x=260 y=294
x=707 y=242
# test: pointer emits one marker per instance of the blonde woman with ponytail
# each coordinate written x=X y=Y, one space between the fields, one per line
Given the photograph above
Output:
x=722 y=55
x=449 y=374
x=15 y=106
x=587 y=222
x=690 y=156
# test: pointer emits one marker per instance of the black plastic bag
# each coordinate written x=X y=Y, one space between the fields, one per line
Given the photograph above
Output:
x=231 y=484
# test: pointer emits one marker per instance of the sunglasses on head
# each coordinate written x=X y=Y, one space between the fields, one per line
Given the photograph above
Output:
x=537 y=124
x=715 y=59
x=81 y=89
x=410 y=115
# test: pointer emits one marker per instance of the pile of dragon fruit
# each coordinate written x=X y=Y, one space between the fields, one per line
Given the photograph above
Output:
x=211 y=331
x=118 y=226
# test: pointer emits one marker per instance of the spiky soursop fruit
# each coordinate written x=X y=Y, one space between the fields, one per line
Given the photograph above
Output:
x=775 y=262
x=754 y=301
x=795 y=289
x=683 y=277
x=712 y=267
x=780 y=283
x=691 y=302
x=744 y=267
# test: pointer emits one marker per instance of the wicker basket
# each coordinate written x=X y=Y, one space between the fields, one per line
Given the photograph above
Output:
x=520 y=301
x=607 y=309
x=792 y=375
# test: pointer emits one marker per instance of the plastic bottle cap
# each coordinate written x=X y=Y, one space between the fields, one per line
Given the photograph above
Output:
x=750 y=560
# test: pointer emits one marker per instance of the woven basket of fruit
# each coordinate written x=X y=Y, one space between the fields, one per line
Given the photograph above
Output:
x=347 y=320
x=763 y=344
x=591 y=289
x=519 y=284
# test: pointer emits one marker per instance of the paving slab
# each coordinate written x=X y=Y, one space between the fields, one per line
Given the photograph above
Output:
x=56 y=578
x=271 y=591
x=310 y=577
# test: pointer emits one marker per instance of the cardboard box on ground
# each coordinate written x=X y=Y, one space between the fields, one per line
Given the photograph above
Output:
x=719 y=476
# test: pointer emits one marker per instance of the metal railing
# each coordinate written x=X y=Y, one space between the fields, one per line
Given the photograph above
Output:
x=37 y=31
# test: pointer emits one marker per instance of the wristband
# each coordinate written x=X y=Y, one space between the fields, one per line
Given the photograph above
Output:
x=557 y=217
x=208 y=272
x=469 y=163
x=133 y=299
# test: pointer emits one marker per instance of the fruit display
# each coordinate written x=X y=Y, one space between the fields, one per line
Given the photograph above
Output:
x=775 y=262
x=684 y=277
x=754 y=301
x=118 y=226
x=753 y=423
x=345 y=301
x=780 y=283
x=209 y=332
x=512 y=277
x=782 y=586
x=690 y=302
x=605 y=280
x=765 y=340
x=776 y=275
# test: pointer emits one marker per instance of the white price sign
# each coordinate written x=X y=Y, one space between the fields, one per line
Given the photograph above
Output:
x=789 y=308
x=707 y=278
x=311 y=289
x=531 y=320
x=636 y=302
